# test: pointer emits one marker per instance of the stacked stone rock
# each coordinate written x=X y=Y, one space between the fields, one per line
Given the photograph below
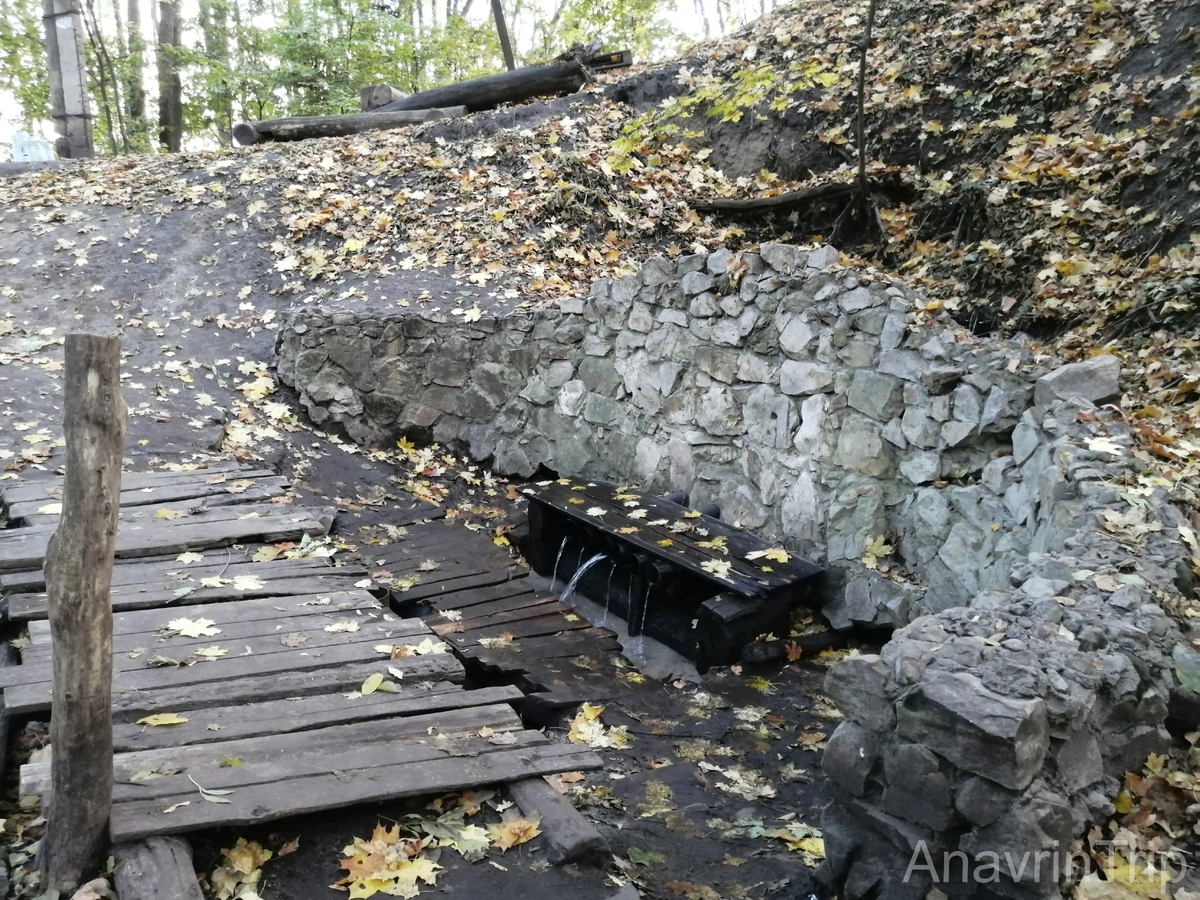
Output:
x=826 y=408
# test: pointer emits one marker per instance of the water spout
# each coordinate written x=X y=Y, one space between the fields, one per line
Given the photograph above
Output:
x=570 y=588
x=557 y=560
x=612 y=570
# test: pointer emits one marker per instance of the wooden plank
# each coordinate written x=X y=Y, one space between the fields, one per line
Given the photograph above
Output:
x=134 y=577
x=136 y=651
x=413 y=739
x=461 y=600
x=542 y=625
x=25 y=548
x=307 y=713
x=146 y=621
x=24 y=607
x=481 y=610
x=30 y=487
x=133 y=705
x=548 y=606
x=438 y=589
x=211 y=495
x=518 y=655
x=472 y=713
x=130 y=704
x=346 y=787
x=187 y=513
x=263 y=668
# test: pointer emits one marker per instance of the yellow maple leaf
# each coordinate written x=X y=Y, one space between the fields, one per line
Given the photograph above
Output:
x=162 y=719
x=514 y=831
x=165 y=513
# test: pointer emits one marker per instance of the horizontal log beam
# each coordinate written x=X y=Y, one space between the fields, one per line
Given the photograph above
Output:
x=488 y=92
x=301 y=128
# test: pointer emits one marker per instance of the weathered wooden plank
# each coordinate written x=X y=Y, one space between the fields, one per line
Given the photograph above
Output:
x=481 y=610
x=462 y=600
x=569 y=836
x=133 y=573
x=23 y=607
x=433 y=590
x=307 y=713
x=133 y=705
x=309 y=634
x=548 y=605
x=189 y=513
x=25 y=548
x=411 y=745
x=37 y=512
x=205 y=760
x=263 y=668
x=518 y=655
x=261 y=803
x=148 y=621
x=533 y=627
x=32 y=487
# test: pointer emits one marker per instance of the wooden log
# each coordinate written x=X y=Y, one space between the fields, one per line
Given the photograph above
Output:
x=158 y=868
x=79 y=562
x=571 y=837
x=776 y=202
x=488 y=92
x=302 y=128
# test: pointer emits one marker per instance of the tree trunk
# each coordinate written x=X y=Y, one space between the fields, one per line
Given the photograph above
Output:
x=79 y=563
x=214 y=21
x=492 y=90
x=301 y=128
x=170 y=87
x=135 y=93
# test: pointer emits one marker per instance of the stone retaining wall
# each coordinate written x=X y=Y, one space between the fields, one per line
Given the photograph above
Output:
x=828 y=409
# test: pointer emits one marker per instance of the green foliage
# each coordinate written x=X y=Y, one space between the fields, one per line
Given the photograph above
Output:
x=23 y=58
x=636 y=25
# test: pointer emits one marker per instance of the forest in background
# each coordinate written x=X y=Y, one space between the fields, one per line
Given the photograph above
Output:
x=169 y=74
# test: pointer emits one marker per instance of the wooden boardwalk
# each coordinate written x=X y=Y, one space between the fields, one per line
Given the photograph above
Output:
x=292 y=687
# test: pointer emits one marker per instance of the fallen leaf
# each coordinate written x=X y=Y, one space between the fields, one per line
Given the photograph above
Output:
x=514 y=830
x=162 y=719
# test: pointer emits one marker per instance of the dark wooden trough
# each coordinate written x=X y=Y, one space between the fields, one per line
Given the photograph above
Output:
x=682 y=577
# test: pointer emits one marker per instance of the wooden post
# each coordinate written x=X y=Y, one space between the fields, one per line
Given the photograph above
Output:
x=79 y=563
x=68 y=78
x=502 y=30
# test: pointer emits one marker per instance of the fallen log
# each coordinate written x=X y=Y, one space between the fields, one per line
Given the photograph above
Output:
x=374 y=96
x=158 y=868
x=546 y=80
x=301 y=128
x=778 y=201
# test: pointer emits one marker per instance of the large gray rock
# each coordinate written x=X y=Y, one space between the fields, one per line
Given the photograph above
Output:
x=858 y=685
x=802 y=378
x=878 y=396
x=1002 y=739
x=850 y=756
x=917 y=788
x=1095 y=380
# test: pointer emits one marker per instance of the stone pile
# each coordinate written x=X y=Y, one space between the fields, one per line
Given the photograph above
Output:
x=1034 y=659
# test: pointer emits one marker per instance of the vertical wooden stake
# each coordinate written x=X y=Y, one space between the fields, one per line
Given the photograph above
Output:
x=79 y=563
x=502 y=30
